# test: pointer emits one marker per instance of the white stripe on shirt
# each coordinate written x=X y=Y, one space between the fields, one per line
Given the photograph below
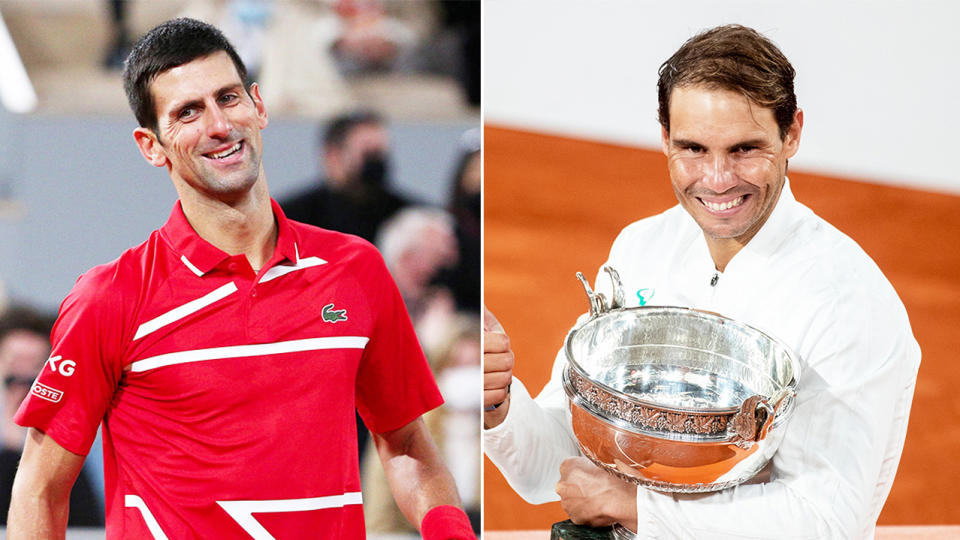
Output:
x=281 y=269
x=240 y=351
x=242 y=511
x=185 y=310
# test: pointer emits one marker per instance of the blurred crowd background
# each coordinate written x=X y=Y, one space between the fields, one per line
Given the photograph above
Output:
x=374 y=131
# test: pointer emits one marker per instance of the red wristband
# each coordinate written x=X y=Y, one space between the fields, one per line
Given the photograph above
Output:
x=446 y=523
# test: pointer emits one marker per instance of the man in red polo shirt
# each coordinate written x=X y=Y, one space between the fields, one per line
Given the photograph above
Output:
x=226 y=354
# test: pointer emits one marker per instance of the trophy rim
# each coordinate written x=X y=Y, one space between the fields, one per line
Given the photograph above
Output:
x=626 y=401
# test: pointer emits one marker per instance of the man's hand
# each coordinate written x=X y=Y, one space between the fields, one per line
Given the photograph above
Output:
x=592 y=496
x=497 y=370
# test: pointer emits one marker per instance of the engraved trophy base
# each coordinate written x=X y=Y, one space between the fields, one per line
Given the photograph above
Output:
x=568 y=530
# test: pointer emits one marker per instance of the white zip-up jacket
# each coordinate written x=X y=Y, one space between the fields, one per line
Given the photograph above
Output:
x=800 y=280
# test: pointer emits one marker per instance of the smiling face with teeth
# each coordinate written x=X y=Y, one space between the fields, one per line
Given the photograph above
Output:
x=208 y=132
x=727 y=163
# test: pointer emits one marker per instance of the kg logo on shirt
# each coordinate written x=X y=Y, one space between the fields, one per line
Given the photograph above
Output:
x=65 y=368
x=331 y=315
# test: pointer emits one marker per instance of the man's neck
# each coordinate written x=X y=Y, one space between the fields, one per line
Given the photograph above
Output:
x=722 y=250
x=244 y=226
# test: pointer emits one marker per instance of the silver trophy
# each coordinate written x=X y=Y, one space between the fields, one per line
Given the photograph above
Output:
x=676 y=399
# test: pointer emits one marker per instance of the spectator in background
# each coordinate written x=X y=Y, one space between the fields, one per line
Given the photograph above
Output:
x=440 y=37
x=369 y=39
x=120 y=42
x=24 y=349
x=354 y=197
x=417 y=244
x=454 y=48
x=302 y=49
x=463 y=280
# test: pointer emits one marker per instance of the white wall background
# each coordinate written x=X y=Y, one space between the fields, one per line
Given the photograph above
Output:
x=879 y=82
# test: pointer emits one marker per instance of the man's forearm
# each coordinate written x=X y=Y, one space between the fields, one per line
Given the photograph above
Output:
x=40 y=500
x=417 y=475
x=36 y=516
x=529 y=446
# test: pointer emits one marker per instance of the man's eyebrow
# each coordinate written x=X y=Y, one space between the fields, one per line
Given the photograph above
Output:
x=175 y=110
x=228 y=87
x=685 y=143
x=756 y=143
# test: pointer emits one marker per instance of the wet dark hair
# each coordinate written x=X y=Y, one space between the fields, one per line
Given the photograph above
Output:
x=736 y=58
x=171 y=44
x=334 y=133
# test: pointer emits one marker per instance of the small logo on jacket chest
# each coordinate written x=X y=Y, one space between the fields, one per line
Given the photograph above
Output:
x=644 y=296
x=331 y=315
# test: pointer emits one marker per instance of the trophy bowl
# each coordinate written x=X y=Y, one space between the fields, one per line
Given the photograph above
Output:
x=673 y=398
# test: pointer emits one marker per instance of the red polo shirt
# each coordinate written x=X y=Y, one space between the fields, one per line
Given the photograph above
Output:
x=227 y=395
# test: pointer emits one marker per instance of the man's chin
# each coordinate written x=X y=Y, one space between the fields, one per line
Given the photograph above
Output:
x=228 y=189
x=725 y=231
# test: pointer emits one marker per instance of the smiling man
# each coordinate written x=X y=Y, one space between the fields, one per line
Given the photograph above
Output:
x=728 y=163
x=738 y=244
x=225 y=356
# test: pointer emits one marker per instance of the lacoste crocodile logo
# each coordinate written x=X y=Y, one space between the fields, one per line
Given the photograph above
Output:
x=331 y=315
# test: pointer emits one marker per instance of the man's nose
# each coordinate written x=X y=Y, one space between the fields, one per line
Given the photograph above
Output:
x=217 y=124
x=718 y=175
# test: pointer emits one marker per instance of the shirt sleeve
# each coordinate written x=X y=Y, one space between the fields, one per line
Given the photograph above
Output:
x=70 y=396
x=394 y=381
x=533 y=440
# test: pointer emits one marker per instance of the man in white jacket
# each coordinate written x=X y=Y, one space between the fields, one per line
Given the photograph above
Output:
x=738 y=244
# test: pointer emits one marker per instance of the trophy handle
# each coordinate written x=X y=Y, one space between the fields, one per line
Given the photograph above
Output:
x=598 y=301
x=617 y=287
x=757 y=413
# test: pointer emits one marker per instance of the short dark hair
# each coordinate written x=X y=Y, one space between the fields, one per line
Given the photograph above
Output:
x=20 y=317
x=171 y=44
x=732 y=57
x=335 y=132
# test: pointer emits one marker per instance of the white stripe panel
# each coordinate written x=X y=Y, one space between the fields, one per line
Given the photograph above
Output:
x=185 y=310
x=241 y=351
x=133 y=501
x=242 y=511
x=282 y=269
x=188 y=264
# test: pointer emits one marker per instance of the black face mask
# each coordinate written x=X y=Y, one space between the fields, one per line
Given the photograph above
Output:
x=373 y=171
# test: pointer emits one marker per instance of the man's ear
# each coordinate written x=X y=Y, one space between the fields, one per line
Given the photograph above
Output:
x=150 y=147
x=664 y=141
x=791 y=142
x=258 y=103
